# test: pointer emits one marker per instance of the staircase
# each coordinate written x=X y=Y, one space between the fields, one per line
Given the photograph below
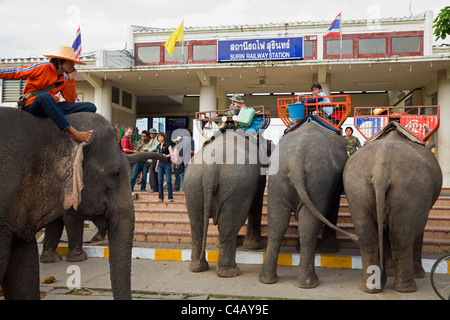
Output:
x=168 y=222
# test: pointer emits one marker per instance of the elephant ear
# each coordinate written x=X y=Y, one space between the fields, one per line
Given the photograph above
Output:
x=74 y=181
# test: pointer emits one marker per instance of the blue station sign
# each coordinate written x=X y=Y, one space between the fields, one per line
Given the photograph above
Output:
x=260 y=49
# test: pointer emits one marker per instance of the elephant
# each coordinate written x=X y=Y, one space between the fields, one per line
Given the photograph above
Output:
x=74 y=228
x=308 y=183
x=391 y=184
x=228 y=190
x=48 y=175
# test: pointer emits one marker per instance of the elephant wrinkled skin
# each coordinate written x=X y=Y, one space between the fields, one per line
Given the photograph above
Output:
x=391 y=184
x=46 y=175
x=227 y=191
x=308 y=183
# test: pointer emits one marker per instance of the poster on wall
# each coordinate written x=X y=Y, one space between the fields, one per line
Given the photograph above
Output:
x=260 y=49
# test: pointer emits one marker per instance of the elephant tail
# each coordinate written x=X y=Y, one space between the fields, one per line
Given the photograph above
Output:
x=303 y=194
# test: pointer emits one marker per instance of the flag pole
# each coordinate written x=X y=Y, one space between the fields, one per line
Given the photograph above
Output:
x=182 y=43
x=340 y=32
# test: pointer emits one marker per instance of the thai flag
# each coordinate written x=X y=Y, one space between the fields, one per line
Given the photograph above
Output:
x=335 y=27
x=77 y=44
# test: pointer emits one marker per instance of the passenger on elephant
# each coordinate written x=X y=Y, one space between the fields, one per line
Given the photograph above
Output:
x=316 y=89
x=141 y=167
x=164 y=168
x=44 y=81
x=125 y=143
x=236 y=104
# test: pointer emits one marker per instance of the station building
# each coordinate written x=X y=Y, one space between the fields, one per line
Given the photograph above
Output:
x=382 y=62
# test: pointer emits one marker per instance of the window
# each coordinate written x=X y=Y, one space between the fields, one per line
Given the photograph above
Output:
x=405 y=44
x=115 y=95
x=149 y=54
x=12 y=89
x=333 y=47
x=372 y=46
x=307 y=48
x=178 y=54
x=127 y=99
x=205 y=52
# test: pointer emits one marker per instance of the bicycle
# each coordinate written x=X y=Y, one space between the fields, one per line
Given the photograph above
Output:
x=440 y=277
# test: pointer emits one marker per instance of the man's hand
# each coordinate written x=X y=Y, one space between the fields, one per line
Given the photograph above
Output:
x=71 y=75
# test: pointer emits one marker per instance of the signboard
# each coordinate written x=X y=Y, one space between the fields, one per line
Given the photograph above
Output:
x=260 y=49
x=420 y=126
x=369 y=126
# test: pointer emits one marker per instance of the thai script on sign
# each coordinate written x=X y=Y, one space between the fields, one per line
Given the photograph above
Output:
x=261 y=45
x=260 y=49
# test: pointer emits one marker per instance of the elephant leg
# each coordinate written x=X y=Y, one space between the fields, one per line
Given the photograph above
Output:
x=404 y=268
x=21 y=281
x=366 y=226
x=419 y=272
x=388 y=261
x=308 y=228
x=198 y=256
x=279 y=216
x=53 y=232
x=231 y=218
x=329 y=241
x=253 y=240
x=74 y=229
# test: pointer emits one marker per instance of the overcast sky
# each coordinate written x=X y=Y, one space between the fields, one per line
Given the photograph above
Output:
x=30 y=28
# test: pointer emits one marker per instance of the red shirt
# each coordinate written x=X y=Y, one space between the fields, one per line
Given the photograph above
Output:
x=126 y=143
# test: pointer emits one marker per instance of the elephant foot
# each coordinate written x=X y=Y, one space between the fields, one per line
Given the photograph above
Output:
x=329 y=246
x=308 y=282
x=405 y=286
x=76 y=256
x=196 y=266
x=50 y=256
x=229 y=272
x=253 y=244
x=268 y=277
x=419 y=272
x=371 y=290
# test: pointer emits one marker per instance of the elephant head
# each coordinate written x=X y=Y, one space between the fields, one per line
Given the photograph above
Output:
x=99 y=189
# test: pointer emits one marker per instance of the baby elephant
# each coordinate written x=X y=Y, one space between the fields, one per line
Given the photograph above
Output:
x=391 y=184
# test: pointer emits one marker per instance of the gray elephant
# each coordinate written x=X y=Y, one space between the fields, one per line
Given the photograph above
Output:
x=311 y=160
x=228 y=190
x=391 y=184
x=74 y=228
x=48 y=175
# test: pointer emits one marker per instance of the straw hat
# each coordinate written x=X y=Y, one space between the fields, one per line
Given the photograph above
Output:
x=66 y=53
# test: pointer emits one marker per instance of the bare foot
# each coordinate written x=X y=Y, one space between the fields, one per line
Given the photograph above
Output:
x=79 y=136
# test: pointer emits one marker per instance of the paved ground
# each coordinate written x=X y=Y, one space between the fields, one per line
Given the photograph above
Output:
x=167 y=280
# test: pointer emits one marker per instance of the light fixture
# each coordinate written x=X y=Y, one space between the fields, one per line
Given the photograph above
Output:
x=376 y=83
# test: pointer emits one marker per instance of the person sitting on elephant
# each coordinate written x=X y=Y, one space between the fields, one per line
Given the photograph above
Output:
x=44 y=81
x=316 y=89
x=236 y=104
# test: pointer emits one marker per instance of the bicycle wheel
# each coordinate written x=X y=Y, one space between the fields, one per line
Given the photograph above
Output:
x=440 y=277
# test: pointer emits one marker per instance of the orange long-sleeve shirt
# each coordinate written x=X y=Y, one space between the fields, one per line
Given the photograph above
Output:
x=39 y=76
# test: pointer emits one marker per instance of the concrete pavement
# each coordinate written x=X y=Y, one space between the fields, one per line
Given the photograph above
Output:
x=170 y=279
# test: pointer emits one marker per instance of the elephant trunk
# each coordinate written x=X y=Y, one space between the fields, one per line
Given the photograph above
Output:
x=120 y=237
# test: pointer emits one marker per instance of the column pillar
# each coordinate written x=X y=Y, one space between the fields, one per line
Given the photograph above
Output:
x=208 y=96
x=443 y=143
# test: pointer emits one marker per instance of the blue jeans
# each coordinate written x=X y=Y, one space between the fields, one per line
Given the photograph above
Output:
x=139 y=167
x=165 y=168
x=44 y=105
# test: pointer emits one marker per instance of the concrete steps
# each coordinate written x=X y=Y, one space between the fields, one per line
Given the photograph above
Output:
x=167 y=222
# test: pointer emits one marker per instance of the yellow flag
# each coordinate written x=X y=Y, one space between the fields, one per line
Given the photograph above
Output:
x=176 y=36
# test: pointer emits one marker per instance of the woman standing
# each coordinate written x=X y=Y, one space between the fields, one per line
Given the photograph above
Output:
x=162 y=168
x=351 y=142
